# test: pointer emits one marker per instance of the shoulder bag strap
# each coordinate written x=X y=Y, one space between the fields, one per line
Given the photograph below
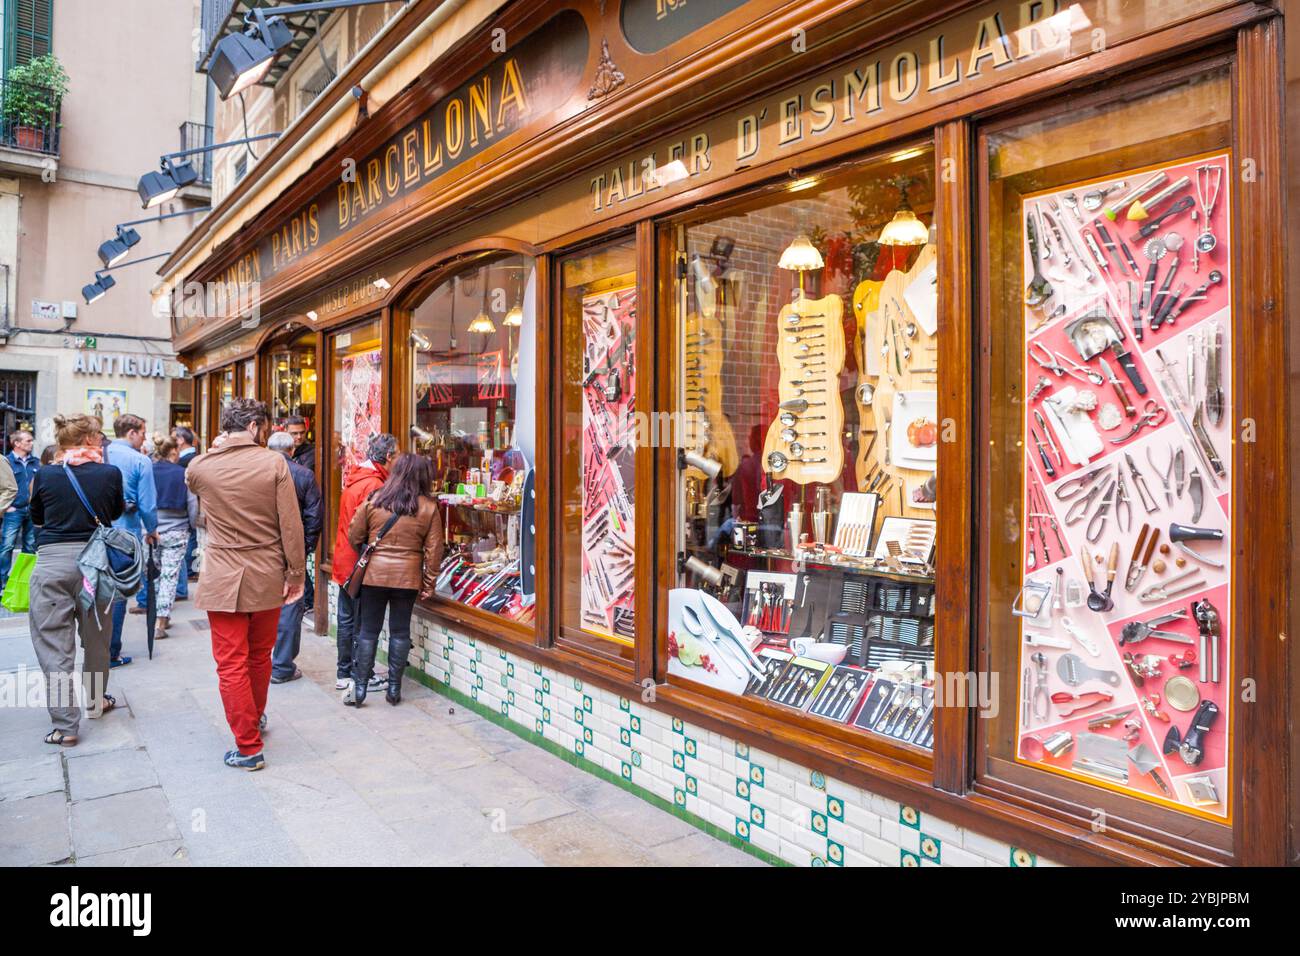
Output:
x=76 y=486
x=388 y=526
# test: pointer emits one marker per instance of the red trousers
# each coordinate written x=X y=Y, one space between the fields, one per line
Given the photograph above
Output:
x=242 y=645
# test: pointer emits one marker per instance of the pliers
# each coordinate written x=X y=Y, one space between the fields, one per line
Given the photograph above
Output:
x=1097 y=524
x=1074 y=486
x=1164 y=474
x=1123 y=505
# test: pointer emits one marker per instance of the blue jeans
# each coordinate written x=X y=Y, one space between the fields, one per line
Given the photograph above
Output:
x=288 y=636
x=16 y=532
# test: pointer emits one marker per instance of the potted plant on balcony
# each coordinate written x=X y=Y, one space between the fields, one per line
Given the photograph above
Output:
x=32 y=94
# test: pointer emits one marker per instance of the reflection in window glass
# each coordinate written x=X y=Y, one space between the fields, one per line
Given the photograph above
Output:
x=293 y=381
x=598 y=463
x=474 y=344
x=808 y=329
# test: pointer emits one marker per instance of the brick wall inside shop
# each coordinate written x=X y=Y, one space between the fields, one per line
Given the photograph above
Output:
x=749 y=368
x=776 y=809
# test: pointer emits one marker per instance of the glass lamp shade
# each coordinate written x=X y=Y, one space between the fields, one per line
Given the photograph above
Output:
x=801 y=256
x=904 y=230
x=483 y=324
x=514 y=318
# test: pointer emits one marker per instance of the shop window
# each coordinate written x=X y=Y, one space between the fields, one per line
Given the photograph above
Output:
x=597 y=488
x=1110 y=451
x=473 y=342
x=292 y=367
x=248 y=375
x=808 y=381
x=356 y=374
x=227 y=385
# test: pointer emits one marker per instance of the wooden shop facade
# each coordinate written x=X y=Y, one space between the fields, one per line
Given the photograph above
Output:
x=868 y=385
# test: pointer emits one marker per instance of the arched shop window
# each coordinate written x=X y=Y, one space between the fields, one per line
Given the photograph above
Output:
x=473 y=346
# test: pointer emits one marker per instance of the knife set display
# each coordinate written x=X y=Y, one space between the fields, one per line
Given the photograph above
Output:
x=1128 y=686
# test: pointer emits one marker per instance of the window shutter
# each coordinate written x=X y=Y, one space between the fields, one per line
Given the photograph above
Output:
x=29 y=30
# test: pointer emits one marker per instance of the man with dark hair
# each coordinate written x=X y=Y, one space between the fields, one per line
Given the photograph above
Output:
x=188 y=448
x=304 y=452
x=185 y=444
x=141 y=515
x=253 y=565
x=18 y=532
x=357 y=487
x=289 y=631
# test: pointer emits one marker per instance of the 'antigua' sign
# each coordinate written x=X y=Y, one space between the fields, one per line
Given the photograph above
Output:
x=141 y=366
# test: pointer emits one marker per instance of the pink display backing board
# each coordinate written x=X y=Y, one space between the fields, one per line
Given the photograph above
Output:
x=1201 y=317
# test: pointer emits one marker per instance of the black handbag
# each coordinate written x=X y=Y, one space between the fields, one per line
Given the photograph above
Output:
x=353 y=583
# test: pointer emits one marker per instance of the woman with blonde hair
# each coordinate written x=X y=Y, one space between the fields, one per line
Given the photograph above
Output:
x=63 y=526
x=177 y=514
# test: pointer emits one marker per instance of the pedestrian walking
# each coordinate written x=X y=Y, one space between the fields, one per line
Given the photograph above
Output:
x=304 y=452
x=177 y=514
x=401 y=532
x=358 y=485
x=187 y=447
x=17 y=531
x=141 y=516
x=310 y=509
x=253 y=564
x=60 y=613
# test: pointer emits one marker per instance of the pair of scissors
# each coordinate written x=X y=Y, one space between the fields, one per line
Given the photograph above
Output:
x=1152 y=415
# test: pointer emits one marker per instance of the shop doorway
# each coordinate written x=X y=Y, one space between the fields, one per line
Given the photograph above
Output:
x=289 y=376
x=17 y=403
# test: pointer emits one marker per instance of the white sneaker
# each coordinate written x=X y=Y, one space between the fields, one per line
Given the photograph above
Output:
x=377 y=682
x=349 y=694
x=342 y=683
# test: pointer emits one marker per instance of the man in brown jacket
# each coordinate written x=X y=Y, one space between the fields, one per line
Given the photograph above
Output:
x=253 y=564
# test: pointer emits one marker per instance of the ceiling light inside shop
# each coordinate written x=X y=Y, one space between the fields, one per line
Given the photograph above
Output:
x=514 y=318
x=904 y=229
x=483 y=324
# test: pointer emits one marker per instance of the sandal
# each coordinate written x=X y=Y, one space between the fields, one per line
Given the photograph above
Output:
x=60 y=739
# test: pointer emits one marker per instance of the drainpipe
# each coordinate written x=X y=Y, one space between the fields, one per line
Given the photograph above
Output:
x=417 y=36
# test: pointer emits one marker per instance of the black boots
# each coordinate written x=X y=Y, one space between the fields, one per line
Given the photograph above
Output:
x=363 y=665
x=399 y=652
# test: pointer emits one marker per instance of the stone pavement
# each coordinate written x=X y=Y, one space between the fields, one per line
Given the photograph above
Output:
x=422 y=783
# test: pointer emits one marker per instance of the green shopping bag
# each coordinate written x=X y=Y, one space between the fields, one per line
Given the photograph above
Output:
x=17 y=593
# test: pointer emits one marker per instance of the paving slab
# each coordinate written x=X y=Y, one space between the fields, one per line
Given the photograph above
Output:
x=31 y=776
x=122 y=821
x=34 y=831
x=164 y=853
x=110 y=771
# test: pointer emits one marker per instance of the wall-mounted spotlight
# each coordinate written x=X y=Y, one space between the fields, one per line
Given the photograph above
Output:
x=157 y=188
x=113 y=251
x=241 y=60
x=103 y=281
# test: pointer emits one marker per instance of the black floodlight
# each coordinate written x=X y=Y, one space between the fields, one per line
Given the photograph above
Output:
x=113 y=251
x=103 y=281
x=241 y=60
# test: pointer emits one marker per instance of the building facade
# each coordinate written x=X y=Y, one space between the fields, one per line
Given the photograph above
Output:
x=800 y=378
x=68 y=177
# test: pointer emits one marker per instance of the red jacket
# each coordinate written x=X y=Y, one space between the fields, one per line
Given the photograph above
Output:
x=363 y=480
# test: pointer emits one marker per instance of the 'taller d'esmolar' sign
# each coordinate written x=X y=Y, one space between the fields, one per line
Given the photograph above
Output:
x=522 y=85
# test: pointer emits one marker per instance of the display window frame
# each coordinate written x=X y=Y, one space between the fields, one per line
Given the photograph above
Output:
x=668 y=475
x=419 y=282
x=1194 y=835
x=329 y=476
x=633 y=657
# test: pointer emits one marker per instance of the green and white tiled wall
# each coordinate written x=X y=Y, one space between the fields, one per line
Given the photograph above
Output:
x=777 y=809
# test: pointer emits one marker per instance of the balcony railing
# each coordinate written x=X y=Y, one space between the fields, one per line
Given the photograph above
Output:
x=214 y=19
x=29 y=117
x=195 y=136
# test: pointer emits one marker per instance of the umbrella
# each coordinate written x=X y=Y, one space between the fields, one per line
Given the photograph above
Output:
x=151 y=574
